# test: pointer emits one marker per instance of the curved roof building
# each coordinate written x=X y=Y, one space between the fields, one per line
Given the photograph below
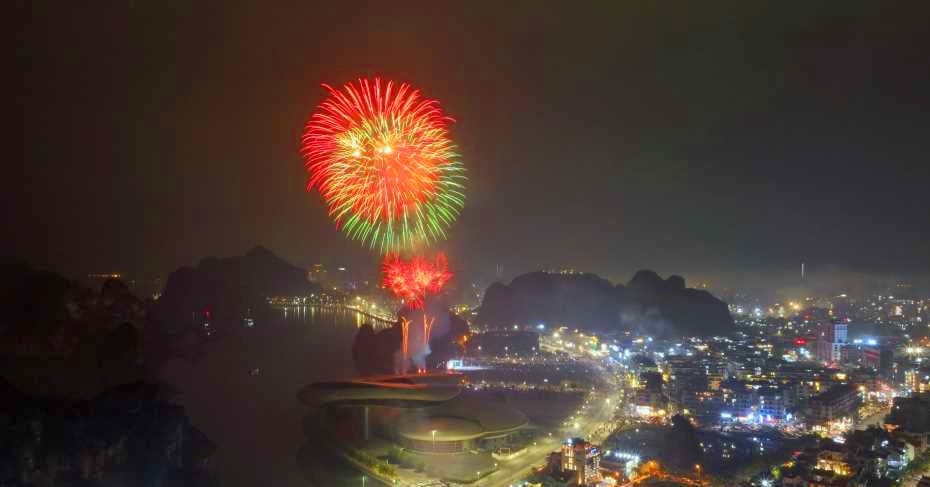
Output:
x=458 y=425
x=438 y=419
x=393 y=390
x=439 y=428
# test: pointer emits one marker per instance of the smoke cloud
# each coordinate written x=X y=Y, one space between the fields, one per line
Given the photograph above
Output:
x=435 y=314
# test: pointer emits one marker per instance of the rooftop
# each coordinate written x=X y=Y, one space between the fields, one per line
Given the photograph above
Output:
x=834 y=393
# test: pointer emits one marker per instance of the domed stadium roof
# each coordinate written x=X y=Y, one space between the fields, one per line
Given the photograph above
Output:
x=461 y=419
x=447 y=428
x=494 y=417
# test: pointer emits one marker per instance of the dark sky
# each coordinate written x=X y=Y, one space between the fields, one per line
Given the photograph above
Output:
x=714 y=142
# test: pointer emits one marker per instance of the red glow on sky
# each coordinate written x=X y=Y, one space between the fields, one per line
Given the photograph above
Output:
x=412 y=280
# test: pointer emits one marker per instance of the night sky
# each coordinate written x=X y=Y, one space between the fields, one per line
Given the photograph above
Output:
x=718 y=143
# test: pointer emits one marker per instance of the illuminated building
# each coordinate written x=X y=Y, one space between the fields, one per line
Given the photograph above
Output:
x=649 y=399
x=97 y=279
x=766 y=404
x=459 y=428
x=317 y=274
x=834 y=462
x=103 y=276
x=582 y=458
x=439 y=434
x=886 y=364
x=771 y=405
x=831 y=341
x=640 y=364
x=870 y=357
x=424 y=413
x=834 y=404
x=917 y=380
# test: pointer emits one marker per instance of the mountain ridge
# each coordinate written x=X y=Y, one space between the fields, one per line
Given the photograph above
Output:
x=647 y=304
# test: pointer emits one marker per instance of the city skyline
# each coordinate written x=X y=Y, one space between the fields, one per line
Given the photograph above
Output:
x=484 y=243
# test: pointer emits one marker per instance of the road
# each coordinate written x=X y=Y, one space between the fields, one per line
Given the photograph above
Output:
x=512 y=471
x=913 y=479
x=874 y=420
x=593 y=420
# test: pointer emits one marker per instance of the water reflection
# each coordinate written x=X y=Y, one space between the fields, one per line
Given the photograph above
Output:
x=334 y=316
x=256 y=419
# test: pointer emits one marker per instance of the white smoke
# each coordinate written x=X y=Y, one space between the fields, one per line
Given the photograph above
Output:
x=646 y=321
x=435 y=312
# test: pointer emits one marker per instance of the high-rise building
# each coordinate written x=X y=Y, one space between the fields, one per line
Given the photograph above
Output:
x=917 y=380
x=863 y=356
x=886 y=366
x=831 y=341
x=582 y=458
x=840 y=331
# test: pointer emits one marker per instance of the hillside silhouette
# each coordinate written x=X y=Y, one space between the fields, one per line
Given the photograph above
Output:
x=77 y=404
x=647 y=304
x=220 y=292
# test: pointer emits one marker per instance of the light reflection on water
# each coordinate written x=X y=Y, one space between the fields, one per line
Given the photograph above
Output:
x=329 y=315
x=256 y=420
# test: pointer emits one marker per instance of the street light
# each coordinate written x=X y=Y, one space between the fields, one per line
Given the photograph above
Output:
x=433 y=432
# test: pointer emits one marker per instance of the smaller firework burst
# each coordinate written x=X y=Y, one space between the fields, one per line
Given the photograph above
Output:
x=412 y=280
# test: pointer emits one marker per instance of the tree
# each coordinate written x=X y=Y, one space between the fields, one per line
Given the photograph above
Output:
x=911 y=414
x=545 y=480
x=682 y=444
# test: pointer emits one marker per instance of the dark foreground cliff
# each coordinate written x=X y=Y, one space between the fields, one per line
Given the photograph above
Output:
x=75 y=407
x=61 y=339
x=647 y=304
x=131 y=435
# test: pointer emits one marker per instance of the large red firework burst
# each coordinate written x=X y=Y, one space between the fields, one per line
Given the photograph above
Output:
x=412 y=280
x=381 y=157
